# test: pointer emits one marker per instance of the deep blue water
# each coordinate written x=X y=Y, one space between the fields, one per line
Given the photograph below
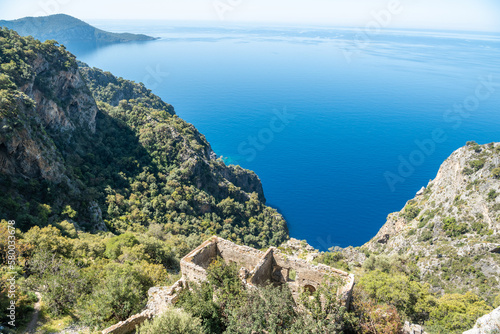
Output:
x=344 y=121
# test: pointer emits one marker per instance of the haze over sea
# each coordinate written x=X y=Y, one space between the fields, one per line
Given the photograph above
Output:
x=349 y=112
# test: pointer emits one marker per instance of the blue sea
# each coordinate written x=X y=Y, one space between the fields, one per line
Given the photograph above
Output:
x=341 y=125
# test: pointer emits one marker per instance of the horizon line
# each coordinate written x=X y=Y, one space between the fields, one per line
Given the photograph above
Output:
x=269 y=23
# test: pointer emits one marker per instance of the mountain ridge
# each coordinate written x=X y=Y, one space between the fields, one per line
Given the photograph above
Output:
x=69 y=31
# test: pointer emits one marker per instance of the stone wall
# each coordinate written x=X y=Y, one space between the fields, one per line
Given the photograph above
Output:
x=259 y=267
x=160 y=298
x=193 y=265
x=129 y=325
x=271 y=266
x=244 y=256
x=264 y=269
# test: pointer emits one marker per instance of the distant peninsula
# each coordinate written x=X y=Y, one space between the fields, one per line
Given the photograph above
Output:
x=69 y=31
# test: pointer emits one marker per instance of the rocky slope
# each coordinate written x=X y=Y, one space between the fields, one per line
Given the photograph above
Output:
x=487 y=324
x=49 y=96
x=451 y=230
x=114 y=154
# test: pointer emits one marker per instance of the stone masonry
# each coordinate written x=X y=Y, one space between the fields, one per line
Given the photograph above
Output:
x=258 y=268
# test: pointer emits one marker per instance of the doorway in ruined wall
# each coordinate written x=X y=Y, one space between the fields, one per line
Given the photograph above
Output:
x=309 y=288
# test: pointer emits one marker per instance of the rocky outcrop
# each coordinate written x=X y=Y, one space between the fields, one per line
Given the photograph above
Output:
x=452 y=228
x=300 y=249
x=412 y=329
x=50 y=103
x=247 y=180
x=487 y=324
x=27 y=153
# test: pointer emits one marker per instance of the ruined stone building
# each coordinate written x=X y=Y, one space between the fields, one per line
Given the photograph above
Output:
x=257 y=269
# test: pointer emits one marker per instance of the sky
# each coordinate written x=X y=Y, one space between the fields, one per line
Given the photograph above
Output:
x=471 y=15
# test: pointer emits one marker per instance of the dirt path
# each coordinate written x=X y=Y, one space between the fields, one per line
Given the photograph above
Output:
x=31 y=328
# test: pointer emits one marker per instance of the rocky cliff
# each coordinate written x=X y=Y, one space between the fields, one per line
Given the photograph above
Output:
x=48 y=96
x=78 y=143
x=451 y=229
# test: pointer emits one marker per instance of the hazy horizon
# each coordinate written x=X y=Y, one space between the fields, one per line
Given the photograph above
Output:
x=457 y=15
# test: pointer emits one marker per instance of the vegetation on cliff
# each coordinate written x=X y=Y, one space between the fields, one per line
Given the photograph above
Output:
x=453 y=235
x=437 y=261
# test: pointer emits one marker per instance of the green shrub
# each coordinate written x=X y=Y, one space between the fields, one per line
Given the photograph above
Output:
x=115 y=245
x=477 y=164
x=456 y=313
x=474 y=146
x=119 y=293
x=69 y=212
x=410 y=298
x=496 y=302
x=58 y=279
x=467 y=171
x=496 y=173
x=333 y=259
x=479 y=227
x=199 y=301
x=452 y=228
x=425 y=235
x=411 y=212
x=492 y=195
x=371 y=317
x=267 y=310
x=172 y=321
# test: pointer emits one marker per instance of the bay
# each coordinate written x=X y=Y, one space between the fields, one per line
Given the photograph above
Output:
x=342 y=131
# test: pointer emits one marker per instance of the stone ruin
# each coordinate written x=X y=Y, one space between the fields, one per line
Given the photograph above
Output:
x=258 y=268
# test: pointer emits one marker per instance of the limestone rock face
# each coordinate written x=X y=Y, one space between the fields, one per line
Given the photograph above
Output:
x=488 y=324
x=62 y=105
x=63 y=101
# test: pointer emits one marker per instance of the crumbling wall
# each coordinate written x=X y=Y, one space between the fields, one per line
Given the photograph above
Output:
x=194 y=264
x=129 y=325
x=271 y=266
x=244 y=256
x=263 y=271
x=313 y=275
x=160 y=298
x=204 y=254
